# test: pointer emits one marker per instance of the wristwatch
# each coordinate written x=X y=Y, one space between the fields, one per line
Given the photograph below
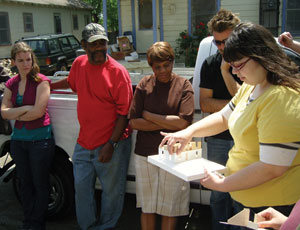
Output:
x=113 y=143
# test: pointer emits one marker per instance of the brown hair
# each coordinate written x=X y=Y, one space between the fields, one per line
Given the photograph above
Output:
x=24 y=47
x=222 y=21
x=256 y=42
x=159 y=52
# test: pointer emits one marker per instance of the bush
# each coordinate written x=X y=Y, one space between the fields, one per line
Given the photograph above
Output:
x=187 y=46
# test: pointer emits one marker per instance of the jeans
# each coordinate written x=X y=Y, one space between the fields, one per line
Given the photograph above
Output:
x=220 y=203
x=112 y=176
x=33 y=162
x=238 y=207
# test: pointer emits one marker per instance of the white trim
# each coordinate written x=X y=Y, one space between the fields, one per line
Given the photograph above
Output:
x=226 y=112
x=281 y=155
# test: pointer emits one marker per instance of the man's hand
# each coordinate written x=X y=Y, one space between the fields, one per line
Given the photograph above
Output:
x=106 y=153
x=225 y=66
x=286 y=39
x=231 y=85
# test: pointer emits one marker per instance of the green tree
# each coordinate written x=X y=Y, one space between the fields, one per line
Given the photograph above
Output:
x=112 y=13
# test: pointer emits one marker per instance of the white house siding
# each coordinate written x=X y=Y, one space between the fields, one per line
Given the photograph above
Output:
x=175 y=19
x=43 y=21
x=175 y=15
x=248 y=9
x=126 y=15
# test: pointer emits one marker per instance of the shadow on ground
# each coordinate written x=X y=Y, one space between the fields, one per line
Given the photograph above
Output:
x=11 y=214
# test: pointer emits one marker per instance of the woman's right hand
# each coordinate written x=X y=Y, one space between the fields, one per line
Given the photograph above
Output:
x=271 y=218
x=182 y=137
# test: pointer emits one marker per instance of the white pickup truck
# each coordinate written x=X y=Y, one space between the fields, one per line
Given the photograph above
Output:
x=62 y=108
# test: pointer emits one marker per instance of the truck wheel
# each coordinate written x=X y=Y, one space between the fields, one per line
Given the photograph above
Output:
x=61 y=197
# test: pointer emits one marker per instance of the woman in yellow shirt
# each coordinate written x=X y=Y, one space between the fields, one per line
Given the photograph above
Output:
x=264 y=120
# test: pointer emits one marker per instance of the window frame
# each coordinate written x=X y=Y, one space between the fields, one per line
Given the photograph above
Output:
x=64 y=43
x=71 y=39
x=75 y=22
x=269 y=12
x=25 y=16
x=285 y=22
x=57 y=27
x=192 y=23
x=140 y=15
x=7 y=29
x=87 y=19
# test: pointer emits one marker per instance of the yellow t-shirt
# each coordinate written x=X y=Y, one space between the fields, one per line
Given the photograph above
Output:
x=273 y=117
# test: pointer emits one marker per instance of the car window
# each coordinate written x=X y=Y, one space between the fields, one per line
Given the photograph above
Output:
x=64 y=43
x=74 y=42
x=53 y=46
x=38 y=46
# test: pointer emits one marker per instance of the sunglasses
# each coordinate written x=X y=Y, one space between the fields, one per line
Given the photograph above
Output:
x=218 y=42
x=239 y=67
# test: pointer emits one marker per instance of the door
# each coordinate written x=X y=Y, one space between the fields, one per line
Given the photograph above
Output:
x=144 y=24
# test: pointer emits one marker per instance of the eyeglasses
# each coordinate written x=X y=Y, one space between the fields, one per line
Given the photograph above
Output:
x=239 y=67
x=218 y=42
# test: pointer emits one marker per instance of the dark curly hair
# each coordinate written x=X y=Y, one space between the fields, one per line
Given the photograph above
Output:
x=256 y=42
x=24 y=47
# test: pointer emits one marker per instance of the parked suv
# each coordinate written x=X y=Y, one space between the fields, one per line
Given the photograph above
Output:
x=54 y=51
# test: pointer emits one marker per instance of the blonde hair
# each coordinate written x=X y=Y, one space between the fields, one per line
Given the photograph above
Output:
x=222 y=21
x=24 y=47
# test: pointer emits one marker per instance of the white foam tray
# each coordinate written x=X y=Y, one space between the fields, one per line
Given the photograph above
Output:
x=187 y=170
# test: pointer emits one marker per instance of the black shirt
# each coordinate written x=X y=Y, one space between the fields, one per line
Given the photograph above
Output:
x=211 y=78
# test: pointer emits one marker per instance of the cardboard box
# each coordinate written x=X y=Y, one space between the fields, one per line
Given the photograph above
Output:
x=119 y=55
x=242 y=219
x=124 y=44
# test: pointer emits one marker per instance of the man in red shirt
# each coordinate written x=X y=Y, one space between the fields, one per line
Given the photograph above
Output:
x=103 y=146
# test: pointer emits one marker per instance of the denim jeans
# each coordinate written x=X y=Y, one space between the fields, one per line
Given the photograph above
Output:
x=112 y=176
x=33 y=162
x=238 y=207
x=220 y=203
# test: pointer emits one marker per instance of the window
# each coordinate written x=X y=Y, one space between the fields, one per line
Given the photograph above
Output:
x=293 y=16
x=202 y=11
x=38 y=46
x=75 y=22
x=145 y=15
x=53 y=46
x=87 y=19
x=28 y=22
x=269 y=15
x=57 y=23
x=74 y=43
x=4 y=29
x=64 y=43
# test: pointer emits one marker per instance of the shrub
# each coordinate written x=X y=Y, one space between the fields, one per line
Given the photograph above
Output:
x=187 y=46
